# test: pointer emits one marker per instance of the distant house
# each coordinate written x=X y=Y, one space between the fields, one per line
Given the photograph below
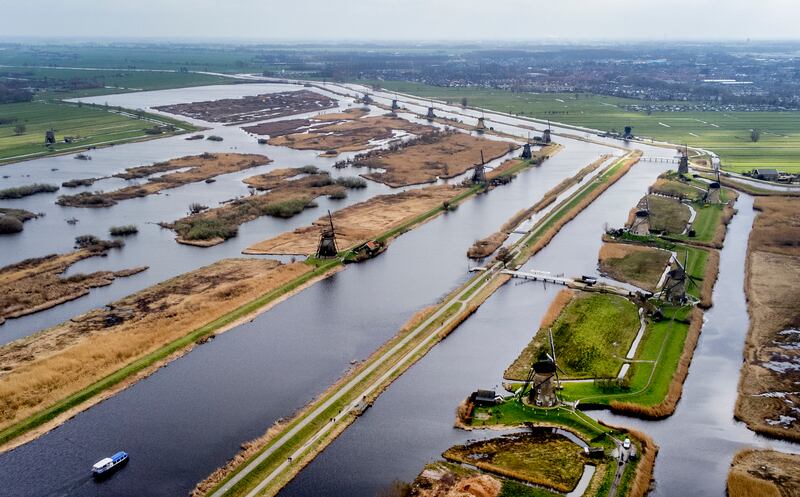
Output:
x=484 y=397
x=767 y=174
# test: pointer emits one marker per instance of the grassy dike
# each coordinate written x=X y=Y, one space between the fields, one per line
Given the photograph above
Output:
x=286 y=450
x=85 y=398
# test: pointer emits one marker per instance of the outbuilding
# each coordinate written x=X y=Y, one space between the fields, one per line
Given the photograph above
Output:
x=484 y=398
x=767 y=174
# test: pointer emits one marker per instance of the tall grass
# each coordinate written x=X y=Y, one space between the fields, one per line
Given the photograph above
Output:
x=128 y=229
x=26 y=190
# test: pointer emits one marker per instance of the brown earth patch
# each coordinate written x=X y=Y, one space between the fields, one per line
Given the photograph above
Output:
x=44 y=368
x=348 y=136
x=200 y=168
x=429 y=156
x=34 y=285
x=360 y=222
x=764 y=473
x=252 y=108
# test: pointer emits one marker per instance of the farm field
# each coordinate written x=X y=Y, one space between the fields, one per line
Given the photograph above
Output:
x=91 y=125
x=726 y=133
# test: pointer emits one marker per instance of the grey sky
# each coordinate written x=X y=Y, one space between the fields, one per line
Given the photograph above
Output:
x=265 y=20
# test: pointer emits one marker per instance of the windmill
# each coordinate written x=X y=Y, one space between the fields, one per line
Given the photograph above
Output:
x=430 y=116
x=526 y=149
x=479 y=173
x=641 y=219
x=677 y=282
x=481 y=126
x=542 y=391
x=546 y=135
x=683 y=162
x=327 y=241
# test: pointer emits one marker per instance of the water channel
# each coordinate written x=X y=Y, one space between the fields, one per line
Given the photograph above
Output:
x=188 y=418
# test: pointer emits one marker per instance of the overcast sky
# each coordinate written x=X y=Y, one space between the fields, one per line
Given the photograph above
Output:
x=473 y=20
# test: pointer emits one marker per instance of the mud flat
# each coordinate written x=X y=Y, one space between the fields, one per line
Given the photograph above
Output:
x=768 y=393
x=428 y=157
x=34 y=285
x=764 y=473
x=348 y=136
x=197 y=168
x=635 y=264
x=65 y=367
x=253 y=108
x=286 y=197
x=361 y=222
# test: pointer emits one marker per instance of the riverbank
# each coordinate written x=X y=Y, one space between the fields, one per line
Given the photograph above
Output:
x=767 y=387
x=79 y=363
x=764 y=473
x=37 y=284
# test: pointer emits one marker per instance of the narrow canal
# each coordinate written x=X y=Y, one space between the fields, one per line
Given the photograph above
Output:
x=189 y=417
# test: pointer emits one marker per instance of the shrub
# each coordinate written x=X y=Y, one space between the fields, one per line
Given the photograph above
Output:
x=196 y=208
x=338 y=195
x=9 y=224
x=128 y=229
x=93 y=243
x=86 y=199
x=309 y=169
x=74 y=183
x=352 y=182
x=206 y=229
x=24 y=191
x=214 y=138
x=285 y=209
x=320 y=181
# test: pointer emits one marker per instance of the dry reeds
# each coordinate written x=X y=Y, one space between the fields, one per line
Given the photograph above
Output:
x=642 y=481
x=559 y=302
x=709 y=279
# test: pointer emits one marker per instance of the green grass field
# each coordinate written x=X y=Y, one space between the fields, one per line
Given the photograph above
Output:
x=645 y=387
x=726 y=133
x=590 y=334
x=92 y=124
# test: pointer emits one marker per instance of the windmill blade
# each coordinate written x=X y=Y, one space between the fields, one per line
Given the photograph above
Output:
x=553 y=357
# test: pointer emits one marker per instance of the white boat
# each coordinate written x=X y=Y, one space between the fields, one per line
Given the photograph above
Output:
x=109 y=464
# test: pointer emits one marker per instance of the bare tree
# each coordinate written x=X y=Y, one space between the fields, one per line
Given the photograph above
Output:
x=755 y=135
x=20 y=129
x=464 y=101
